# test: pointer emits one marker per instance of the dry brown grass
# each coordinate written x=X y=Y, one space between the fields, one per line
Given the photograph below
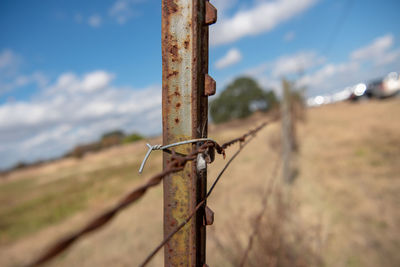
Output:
x=350 y=181
x=348 y=185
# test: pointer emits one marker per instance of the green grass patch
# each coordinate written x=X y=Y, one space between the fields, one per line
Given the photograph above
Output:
x=360 y=152
x=48 y=204
x=353 y=261
x=11 y=189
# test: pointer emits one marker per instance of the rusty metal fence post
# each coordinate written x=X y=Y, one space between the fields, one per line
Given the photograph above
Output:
x=186 y=86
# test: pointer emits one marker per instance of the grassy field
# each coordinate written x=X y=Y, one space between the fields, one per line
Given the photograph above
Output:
x=347 y=196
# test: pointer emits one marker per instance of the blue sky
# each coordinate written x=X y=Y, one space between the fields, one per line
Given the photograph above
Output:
x=72 y=70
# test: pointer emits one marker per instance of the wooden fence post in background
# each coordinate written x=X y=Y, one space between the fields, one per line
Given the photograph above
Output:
x=186 y=86
x=287 y=135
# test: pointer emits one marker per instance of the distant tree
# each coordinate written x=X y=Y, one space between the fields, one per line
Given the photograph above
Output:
x=20 y=165
x=112 y=138
x=240 y=99
x=80 y=150
x=115 y=133
x=132 y=138
x=107 y=140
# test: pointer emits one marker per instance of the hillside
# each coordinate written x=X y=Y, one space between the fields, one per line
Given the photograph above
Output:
x=346 y=196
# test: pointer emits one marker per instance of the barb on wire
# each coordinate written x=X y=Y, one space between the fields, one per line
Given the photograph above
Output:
x=198 y=206
x=264 y=203
x=161 y=147
x=249 y=133
x=176 y=164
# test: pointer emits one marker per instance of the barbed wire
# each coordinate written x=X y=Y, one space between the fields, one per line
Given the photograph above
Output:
x=243 y=137
x=198 y=206
x=177 y=163
x=264 y=202
x=166 y=147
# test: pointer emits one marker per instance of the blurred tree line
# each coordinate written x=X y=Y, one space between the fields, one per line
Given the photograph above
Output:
x=240 y=99
x=244 y=96
x=107 y=140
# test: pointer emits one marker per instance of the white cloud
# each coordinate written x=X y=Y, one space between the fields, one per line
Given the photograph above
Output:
x=37 y=78
x=269 y=74
x=289 y=36
x=78 y=18
x=11 y=79
x=9 y=62
x=336 y=76
x=232 y=57
x=90 y=82
x=320 y=77
x=376 y=48
x=377 y=51
x=330 y=77
x=74 y=109
x=294 y=64
x=54 y=134
x=223 y=5
x=123 y=10
x=387 y=57
x=95 y=21
x=287 y=65
x=262 y=17
x=7 y=58
x=96 y=80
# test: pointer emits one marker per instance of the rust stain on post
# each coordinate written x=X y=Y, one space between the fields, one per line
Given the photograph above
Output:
x=184 y=105
x=208 y=216
x=209 y=85
x=211 y=14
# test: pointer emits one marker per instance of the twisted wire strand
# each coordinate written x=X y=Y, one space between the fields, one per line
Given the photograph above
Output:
x=176 y=164
x=198 y=206
x=161 y=147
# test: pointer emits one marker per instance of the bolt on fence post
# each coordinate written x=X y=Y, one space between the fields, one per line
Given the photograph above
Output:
x=185 y=115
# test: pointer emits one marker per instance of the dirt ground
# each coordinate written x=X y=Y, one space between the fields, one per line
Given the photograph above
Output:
x=347 y=191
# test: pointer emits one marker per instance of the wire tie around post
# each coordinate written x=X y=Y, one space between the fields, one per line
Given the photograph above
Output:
x=161 y=147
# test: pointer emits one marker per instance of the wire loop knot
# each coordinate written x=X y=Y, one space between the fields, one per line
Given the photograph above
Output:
x=161 y=147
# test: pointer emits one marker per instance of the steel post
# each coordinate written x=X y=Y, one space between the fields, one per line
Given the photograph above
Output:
x=185 y=105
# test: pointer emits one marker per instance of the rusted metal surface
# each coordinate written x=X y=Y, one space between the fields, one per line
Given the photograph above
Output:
x=244 y=140
x=210 y=156
x=176 y=164
x=209 y=85
x=185 y=64
x=211 y=14
x=208 y=216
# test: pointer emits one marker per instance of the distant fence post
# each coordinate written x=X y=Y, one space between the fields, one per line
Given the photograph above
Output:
x=287 y=135
x=186 y=86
